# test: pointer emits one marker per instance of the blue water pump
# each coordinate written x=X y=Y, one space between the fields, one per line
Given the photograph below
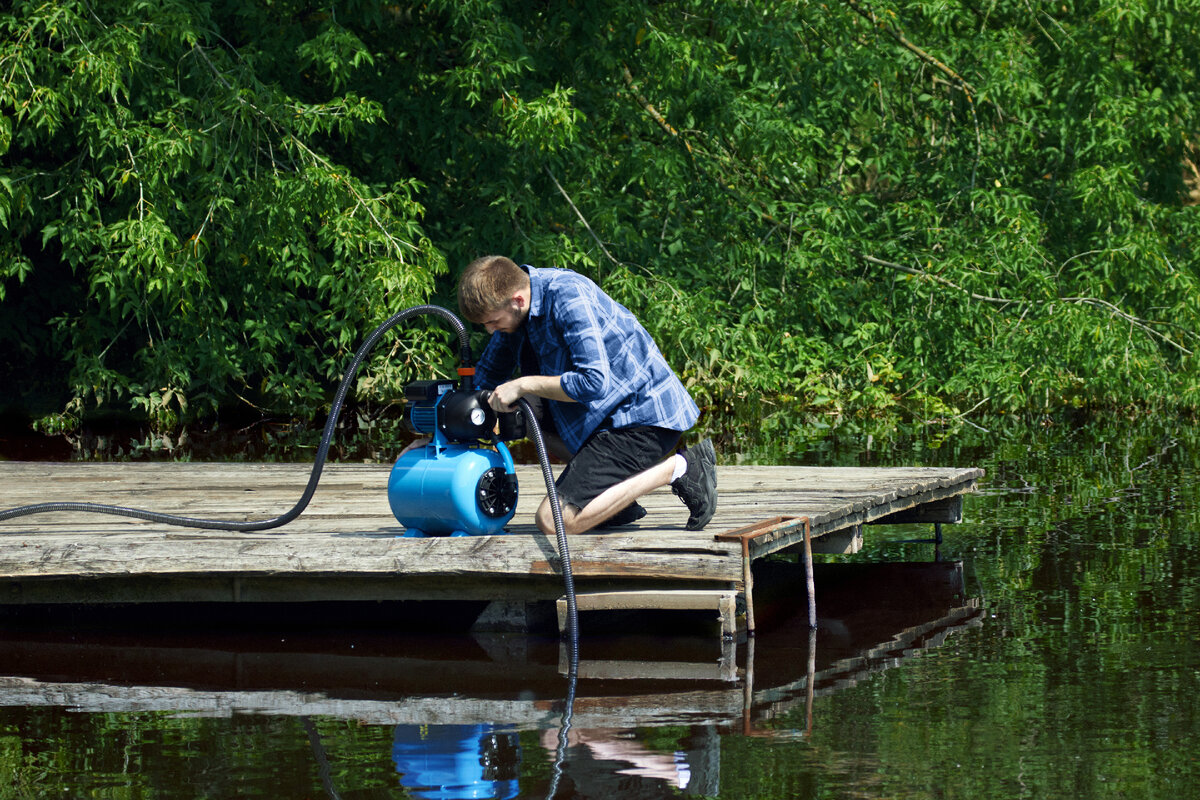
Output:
x=455 y=484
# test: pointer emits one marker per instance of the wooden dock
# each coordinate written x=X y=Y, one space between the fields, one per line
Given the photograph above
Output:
x=347 y=546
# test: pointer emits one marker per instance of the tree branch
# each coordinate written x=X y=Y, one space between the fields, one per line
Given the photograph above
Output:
x=650 y=109
x=596 y=238
x=1094 y=302
x=360 y=202
x=141 y=205
x=582 y=219
x=898 y=35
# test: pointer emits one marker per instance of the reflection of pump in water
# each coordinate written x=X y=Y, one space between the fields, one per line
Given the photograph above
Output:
x=453 y=485
x=457 y=762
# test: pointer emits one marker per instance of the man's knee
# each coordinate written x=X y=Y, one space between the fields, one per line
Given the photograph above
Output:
x=545 y=517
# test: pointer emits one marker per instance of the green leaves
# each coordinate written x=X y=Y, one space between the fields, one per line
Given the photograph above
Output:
x=544 y=124
x=334 y=54
x=862 y=208
x=200 y=209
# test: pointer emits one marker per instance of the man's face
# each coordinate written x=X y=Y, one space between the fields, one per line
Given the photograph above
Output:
x=506 y=319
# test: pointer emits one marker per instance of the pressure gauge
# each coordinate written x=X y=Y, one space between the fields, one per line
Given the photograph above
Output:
x=465 y=416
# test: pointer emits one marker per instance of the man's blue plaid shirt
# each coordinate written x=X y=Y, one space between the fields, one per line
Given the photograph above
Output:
x=609 y=364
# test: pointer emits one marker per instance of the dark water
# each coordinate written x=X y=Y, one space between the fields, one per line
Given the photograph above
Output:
x=1047 y=649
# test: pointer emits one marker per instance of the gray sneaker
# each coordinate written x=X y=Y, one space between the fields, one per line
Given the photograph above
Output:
x=697 y=487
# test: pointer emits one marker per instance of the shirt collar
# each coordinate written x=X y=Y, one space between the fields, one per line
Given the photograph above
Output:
x=536 y=290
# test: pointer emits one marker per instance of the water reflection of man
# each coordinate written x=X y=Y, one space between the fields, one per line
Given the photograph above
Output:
x=611 y=762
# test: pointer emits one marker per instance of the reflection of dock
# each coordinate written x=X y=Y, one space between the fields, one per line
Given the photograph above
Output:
x=345 y=547
x=514 y=680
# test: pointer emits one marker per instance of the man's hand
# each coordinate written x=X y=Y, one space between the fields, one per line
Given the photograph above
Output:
x=505 y=396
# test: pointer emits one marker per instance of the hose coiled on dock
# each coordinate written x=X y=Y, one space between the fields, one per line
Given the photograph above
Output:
x=335 y=411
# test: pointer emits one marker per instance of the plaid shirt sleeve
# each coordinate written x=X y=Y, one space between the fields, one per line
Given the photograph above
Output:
x=607 y=361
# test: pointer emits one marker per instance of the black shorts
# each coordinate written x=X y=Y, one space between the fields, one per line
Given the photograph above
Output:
x=608 y=457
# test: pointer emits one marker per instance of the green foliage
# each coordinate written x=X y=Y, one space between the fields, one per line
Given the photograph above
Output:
x=180 y=225
x=854 y=208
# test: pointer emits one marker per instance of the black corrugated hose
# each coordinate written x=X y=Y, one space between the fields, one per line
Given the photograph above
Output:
x=318 y=463
x=560 y=532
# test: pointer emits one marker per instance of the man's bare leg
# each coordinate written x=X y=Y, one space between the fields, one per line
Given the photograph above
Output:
x=608 y=502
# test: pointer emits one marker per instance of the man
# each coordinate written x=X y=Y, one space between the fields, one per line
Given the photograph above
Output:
x=616 y=406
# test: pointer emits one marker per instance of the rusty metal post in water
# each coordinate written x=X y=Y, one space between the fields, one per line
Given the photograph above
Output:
x=759 y=529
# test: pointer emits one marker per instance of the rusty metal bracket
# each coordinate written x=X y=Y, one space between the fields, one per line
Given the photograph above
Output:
x=748 y=534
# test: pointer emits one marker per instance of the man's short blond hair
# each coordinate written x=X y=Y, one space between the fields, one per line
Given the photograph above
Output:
x=487 y=284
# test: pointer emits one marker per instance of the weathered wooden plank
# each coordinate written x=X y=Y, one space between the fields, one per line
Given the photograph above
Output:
x=948 y=511
x=722 y=602
x=518 y=556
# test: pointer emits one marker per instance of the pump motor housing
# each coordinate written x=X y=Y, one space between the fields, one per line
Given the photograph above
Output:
x=454 y=485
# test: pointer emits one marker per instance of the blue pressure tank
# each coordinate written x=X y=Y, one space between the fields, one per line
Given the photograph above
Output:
x=453 y=485
x=456 y=489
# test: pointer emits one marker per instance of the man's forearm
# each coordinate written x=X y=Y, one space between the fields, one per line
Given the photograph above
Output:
x=547 y=386
x=506 y=395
